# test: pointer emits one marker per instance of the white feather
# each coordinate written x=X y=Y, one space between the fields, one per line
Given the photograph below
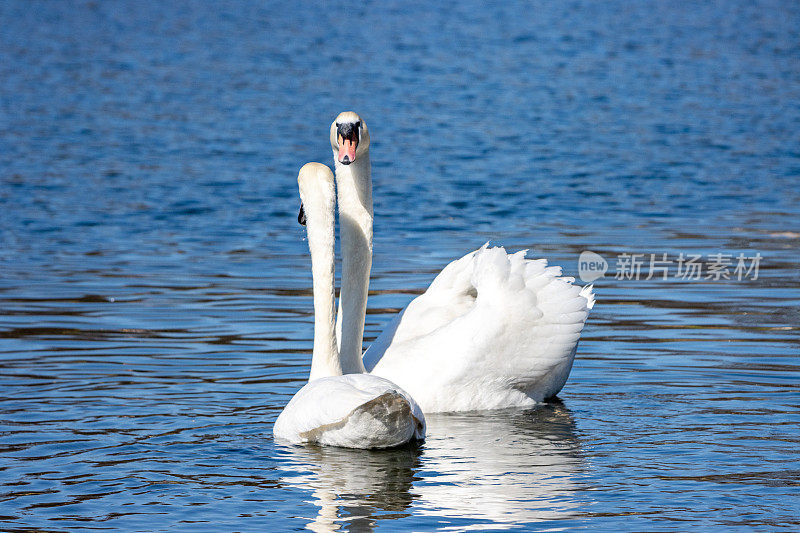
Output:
x=354 y=410
x=493 y=330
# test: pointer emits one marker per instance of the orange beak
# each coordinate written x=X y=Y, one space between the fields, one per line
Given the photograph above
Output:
x=347 y=150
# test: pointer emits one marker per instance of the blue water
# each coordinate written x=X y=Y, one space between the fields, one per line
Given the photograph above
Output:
x=155 y=310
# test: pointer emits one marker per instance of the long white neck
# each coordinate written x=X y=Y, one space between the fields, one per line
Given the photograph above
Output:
x=354 y=187
x=320 y=225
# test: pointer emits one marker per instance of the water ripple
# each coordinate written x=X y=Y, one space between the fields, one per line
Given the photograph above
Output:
x=155 y=304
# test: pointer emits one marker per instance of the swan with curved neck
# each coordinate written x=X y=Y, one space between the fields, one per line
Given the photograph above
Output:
x=493 y=330
x=353 y=410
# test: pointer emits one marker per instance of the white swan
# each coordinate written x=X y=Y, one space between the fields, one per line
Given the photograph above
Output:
x=493 y=330
x=355 y=410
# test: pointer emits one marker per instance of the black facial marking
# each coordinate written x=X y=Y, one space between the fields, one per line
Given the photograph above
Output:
x=301 y=216
x=349 y=131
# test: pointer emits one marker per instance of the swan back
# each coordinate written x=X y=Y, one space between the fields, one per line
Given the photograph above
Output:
x=353 y=411
x=493 y=330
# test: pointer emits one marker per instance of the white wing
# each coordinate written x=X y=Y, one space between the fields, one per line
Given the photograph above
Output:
x=354 y=411
x=493 y=330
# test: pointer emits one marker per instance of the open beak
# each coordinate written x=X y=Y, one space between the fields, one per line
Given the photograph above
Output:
x=301 y=216
x=347 y=137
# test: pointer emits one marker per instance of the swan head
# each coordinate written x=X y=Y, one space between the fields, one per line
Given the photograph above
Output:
x=316 y=184
x=349 y=137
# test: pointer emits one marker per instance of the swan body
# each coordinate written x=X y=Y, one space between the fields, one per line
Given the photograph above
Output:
x=353 y=410
x=494 y=330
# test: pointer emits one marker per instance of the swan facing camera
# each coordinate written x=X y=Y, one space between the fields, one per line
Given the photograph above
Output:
x=348 y=136
x=591 y=266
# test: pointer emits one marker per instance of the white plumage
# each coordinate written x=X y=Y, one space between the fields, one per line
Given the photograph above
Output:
x=493 y=330
x=355 y=410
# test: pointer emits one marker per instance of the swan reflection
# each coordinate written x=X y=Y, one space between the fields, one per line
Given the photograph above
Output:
x=500 y=468
x=354 y=488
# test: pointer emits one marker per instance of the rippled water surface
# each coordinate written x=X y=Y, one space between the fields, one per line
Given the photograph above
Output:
x=155 y=310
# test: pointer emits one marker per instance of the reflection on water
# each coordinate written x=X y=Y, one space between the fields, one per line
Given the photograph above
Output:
x=479 y=467
x=473 y=471
x=155 y=309
x=353 y=488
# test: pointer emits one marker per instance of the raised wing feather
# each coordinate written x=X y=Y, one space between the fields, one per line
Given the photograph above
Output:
x=493 y=330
